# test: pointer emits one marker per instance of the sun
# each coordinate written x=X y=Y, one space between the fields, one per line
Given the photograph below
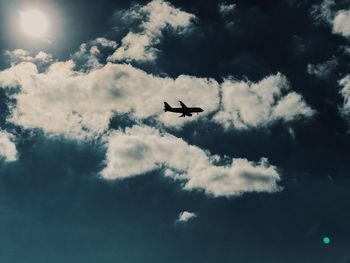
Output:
x=34 y=23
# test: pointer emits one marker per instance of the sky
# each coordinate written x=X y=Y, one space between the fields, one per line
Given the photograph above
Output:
x=93 y=170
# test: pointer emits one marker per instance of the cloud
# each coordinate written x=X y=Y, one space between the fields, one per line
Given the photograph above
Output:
x=186 y=216
x=157 y=15
x=225 y=9
x=247 y=104
x=64 y=101
x=340 y=20
x=104 y=42
x=341 y=23
x=148 y=149
x=323 y=12
x=8 y=150
x=41 y=59
x=18 y=55
x=322 y=70
x=79 y=104
x=345 y=92
x=90 y=55
x=78 y=97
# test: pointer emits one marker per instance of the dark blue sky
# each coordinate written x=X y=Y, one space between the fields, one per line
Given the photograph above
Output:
x=72 y=193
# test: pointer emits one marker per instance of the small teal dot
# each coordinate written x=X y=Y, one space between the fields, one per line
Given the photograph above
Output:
x=326 y=240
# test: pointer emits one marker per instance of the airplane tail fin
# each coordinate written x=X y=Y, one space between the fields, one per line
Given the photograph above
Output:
x=166 y=106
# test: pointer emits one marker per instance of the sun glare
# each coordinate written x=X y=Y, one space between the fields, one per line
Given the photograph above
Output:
x=33 y=23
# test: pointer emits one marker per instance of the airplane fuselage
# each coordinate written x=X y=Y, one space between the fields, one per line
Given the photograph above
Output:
x=189 y=110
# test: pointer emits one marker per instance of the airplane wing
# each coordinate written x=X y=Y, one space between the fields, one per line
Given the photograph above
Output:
x=183 y=105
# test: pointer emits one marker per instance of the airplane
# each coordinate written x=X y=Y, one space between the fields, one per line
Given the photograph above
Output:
x=186 y=111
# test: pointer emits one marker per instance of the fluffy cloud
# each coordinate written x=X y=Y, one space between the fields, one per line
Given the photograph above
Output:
x=322 y=70
x=158 y=15
x=147 y=149
x=186 y=216
x=341 y=23
x=8 y=150
x=62 y=100
x=18 y=56
x=246 y=104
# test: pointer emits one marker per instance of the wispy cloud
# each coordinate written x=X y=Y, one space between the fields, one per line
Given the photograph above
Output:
x=89 y=56
x=225 y=8
x=156 y=16
x=345 y=92
x=322 y=70
x=323 y=13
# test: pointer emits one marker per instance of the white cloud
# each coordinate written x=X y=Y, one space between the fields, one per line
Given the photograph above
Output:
x=322 y=70
x=104 y=42
x=79 y=104
x=341 y=23
x=147 y=150
x=186 y=216
x=42 y=56
x=246 y=104
x=62 y=100
x=158 y=15
x=8 y=150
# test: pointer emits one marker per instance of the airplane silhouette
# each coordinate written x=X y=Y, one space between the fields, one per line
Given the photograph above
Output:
x=186 y=111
